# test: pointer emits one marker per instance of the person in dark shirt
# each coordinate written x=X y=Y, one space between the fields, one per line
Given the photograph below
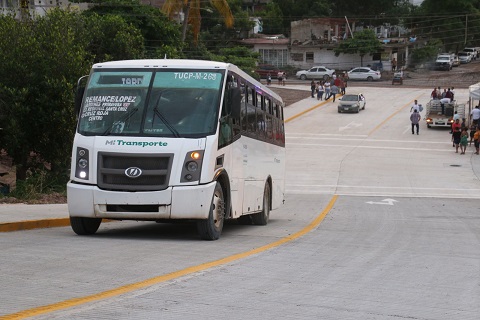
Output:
x=415 y=119
x=449 y=94
x=456 y=136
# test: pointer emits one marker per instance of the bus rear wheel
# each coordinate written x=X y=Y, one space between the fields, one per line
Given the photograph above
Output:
x=211 y=228
x=262 y=217
x=85 y=226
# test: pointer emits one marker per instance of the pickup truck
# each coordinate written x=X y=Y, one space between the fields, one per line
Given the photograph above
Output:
x=473 y=52
x=438 y=116
x=444 y=62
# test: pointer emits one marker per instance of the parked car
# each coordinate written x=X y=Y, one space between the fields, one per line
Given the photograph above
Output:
x=464 y=57
x=352 y=102
x=444 y=61
x=318 y=72
x=264 y=69
x=364 y=73
x=473 y=52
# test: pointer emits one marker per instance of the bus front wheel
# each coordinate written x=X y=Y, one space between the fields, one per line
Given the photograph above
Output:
x=262 y=217
x=85 y=226
x=211 y=228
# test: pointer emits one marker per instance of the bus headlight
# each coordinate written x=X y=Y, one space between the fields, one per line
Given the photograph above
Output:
x=82 y=168
x=192 y=166
x=83 y=163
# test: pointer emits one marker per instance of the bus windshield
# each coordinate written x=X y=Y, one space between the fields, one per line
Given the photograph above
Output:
x=170 y=103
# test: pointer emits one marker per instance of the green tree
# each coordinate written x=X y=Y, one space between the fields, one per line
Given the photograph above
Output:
x=192 y=15
x=426 y=53
x=42 y=59
x=112 y=38
x=272 y=19
x=215 y=36
x=242 y=57
x=363 y=42
x=454 y=22
x=160 y=35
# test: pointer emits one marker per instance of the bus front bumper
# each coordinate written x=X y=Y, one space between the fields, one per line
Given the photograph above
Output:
x=185 y=202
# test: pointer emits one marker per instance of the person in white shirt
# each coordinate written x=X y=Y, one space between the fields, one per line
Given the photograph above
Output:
x=475 y=115
x=415 y=107
x=442 y=103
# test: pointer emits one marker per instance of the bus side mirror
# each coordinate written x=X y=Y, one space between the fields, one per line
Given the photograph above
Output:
x=81 y=83
x=78 y=99
x=235 y=102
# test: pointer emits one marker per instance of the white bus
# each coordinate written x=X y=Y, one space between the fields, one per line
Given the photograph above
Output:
x=168 y=140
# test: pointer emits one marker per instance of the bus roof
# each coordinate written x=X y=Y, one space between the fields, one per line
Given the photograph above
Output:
x=156 y=63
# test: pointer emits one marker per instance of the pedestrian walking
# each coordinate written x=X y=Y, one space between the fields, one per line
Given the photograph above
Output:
x=476 y=140
x=326 y=86
x=475 y=115
x=320 y=91
x=394 y=64
x=415 y=119
x=342 y=87
x=455 y=124
x=333 y=92
x=463 y=141
x=473 y=129
x=415 y=106
x=456 y=136
x=279 y=77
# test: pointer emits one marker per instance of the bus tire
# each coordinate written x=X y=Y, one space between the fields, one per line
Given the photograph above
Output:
x=261 y=218
x=85 y=226
x=211 y=228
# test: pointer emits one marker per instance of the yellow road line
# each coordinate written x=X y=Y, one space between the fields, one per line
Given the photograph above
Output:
x=306 y=111
x=392 y=115
x=34 y=224
x=170 y=276
x=37 y=224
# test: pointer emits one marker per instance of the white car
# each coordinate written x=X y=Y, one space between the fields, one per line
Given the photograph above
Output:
x=464 y=57
x=364 y=73
x=318 y=72
x=352 y=102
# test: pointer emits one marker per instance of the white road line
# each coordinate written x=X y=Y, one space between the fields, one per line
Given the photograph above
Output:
x=447 y=141
x=419 y=148
x=393 y=194
x=378 y=187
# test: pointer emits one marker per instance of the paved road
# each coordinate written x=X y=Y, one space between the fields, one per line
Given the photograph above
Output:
x=378 y=224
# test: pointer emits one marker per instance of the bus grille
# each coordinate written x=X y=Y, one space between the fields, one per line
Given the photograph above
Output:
x=155 y=169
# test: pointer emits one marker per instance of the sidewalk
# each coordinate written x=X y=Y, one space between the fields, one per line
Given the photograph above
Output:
x=14 y=217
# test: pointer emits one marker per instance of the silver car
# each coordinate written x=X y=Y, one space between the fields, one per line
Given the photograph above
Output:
x=464 y=57
x=364 y=73
x=319 y=72
x=353 y=102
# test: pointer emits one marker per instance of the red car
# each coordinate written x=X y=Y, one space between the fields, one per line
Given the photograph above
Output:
x=264 y=69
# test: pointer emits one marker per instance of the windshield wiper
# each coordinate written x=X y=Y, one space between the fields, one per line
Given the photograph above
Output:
x=120 y=122
x=164 y=120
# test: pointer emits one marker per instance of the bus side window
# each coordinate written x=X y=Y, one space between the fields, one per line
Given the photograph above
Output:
x=225 y=134
x=269 y=125
x=261 y=125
